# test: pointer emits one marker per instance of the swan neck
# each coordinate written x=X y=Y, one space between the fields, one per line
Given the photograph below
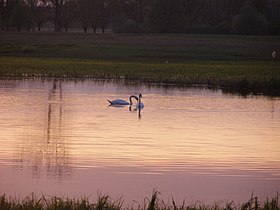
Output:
x=139 y=100
x=130 y=99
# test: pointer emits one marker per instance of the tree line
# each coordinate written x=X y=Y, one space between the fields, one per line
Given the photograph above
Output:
x=144 y=16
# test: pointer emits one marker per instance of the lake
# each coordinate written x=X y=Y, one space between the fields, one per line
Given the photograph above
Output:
x=62 y=138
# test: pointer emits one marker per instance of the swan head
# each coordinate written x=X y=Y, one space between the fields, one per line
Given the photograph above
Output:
x=140 y=95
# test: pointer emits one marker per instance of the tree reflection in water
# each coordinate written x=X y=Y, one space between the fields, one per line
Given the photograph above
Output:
x=43 y=148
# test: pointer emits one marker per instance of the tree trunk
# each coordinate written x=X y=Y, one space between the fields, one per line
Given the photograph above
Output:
x=39 y=26
x=57 y=21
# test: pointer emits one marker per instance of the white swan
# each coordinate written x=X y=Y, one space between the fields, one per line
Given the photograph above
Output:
x=120 y=102
x=139 y=104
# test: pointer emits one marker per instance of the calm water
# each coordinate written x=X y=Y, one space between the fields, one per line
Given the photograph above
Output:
x=196 y=144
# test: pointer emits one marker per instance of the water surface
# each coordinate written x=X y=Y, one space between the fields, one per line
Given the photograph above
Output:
x=61 y=137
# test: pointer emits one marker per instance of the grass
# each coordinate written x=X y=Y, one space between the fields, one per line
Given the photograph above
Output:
x=143 y=48
x=241 y=63
x=105 y=202
x=258 y=77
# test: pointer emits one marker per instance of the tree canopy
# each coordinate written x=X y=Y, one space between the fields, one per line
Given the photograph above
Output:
x=144 y=16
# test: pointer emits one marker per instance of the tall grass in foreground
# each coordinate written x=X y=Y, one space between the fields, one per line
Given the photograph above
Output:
x=33 y=202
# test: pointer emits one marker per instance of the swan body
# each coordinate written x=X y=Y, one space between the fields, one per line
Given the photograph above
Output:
x=120 y=102
x=140 y=105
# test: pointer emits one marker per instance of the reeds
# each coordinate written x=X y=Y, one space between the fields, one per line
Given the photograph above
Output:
x=104 y=202
x=258 y=77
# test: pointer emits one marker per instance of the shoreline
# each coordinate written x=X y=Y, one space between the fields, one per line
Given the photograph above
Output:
x=237 y=63
x=240 y=77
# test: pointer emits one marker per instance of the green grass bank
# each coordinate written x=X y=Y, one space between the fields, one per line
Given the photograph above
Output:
x=241 y=63
x=105 y=202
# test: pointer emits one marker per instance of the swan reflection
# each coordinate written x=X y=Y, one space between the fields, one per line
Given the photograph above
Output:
x=137 y=109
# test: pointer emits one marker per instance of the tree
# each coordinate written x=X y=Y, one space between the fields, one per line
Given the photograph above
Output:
x=137 y=9
x=2 y=7
x=95 y=13
x=57 y=5
x=167 y=16
x=192 y=11
x=249 y=22
x=31 y=7
x=7 y=8
x=275 y=11
x=41 y=15
x=69 y=13
x=20 y=14
x=90 y=13
x=105 y=14
x=118 y=13
x=84 y=13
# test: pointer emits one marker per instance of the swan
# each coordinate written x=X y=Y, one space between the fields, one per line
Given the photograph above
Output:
x=139 y=104
x=120 y=102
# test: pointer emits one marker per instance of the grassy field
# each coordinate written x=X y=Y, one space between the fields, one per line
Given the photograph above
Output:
x=234 y=62
x=104 y=202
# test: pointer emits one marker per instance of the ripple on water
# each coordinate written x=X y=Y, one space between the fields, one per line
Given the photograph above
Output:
x=184 y=137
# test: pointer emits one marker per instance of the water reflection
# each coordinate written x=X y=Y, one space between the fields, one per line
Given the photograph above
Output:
x=273 y=101
x=186 y=137
x=46 y=154
x=136 y=109
x=55 y=99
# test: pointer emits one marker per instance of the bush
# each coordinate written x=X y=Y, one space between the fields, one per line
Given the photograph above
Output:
x=200 y=29
x=249 y=22
x=130 y=26
x=223 y=28
x=274 y=29
x=167 y=16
